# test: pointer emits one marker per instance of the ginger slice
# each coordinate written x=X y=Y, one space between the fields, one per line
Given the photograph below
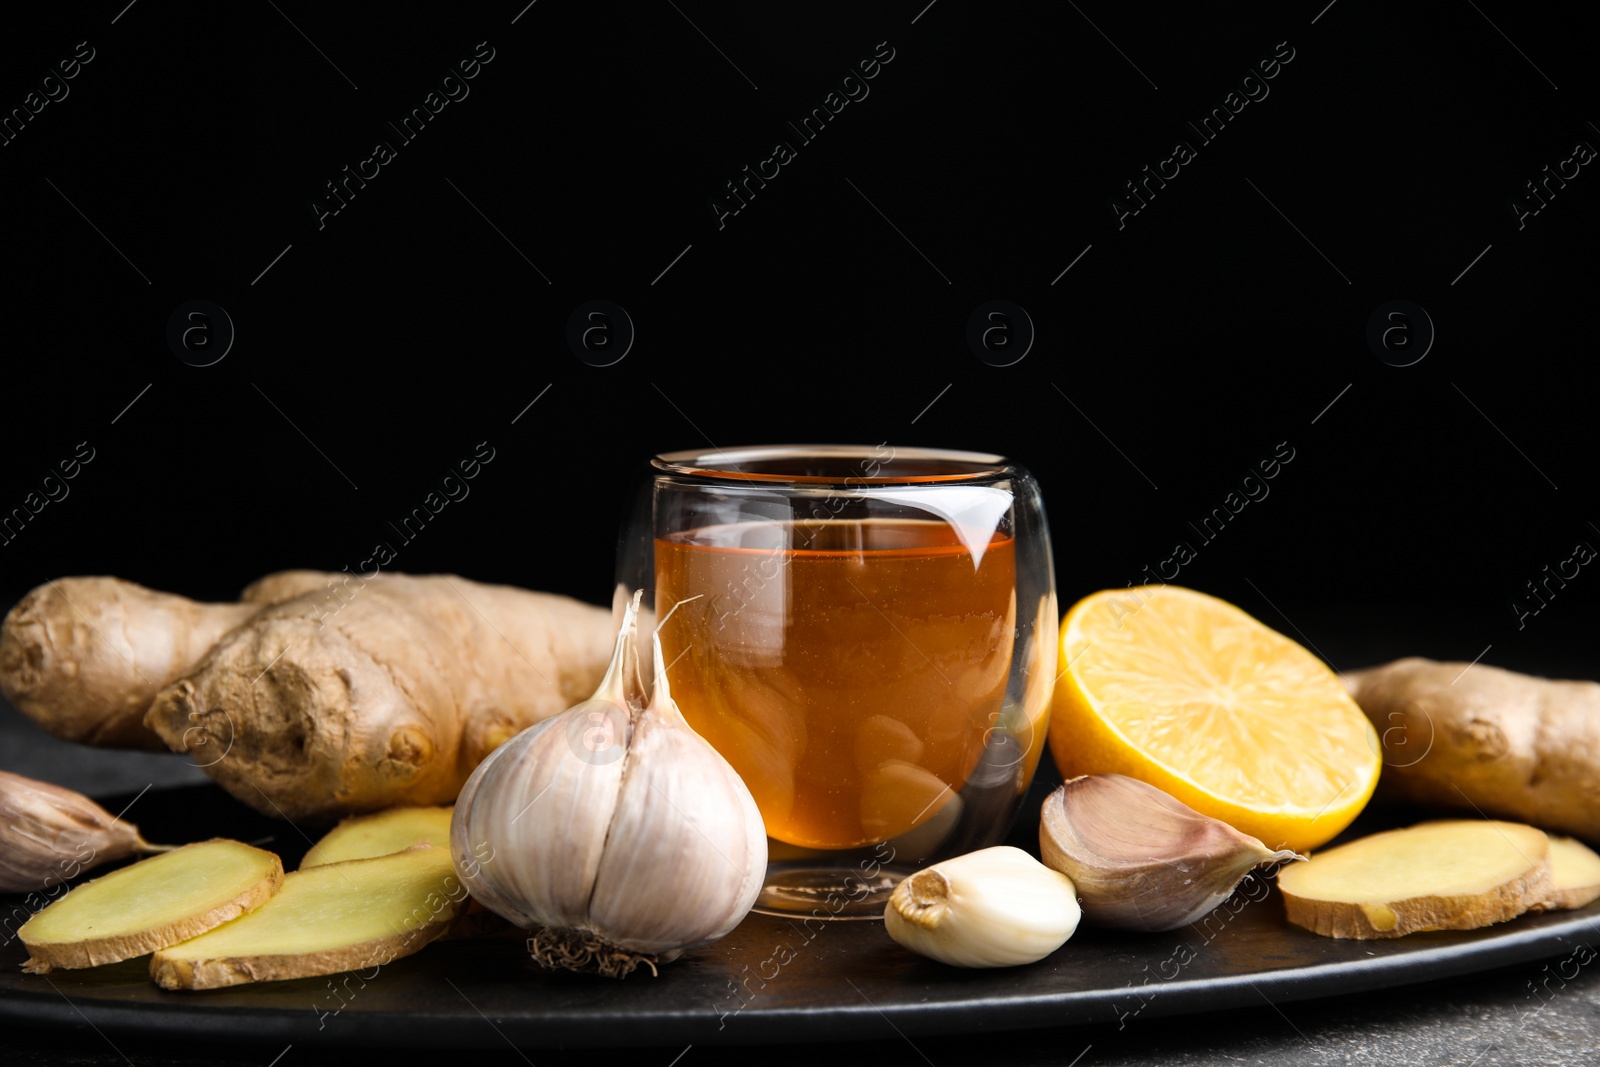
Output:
x=1574 y=874
x=151 y=904
x=363 y=837
x=336 y=917
x=1457 y=874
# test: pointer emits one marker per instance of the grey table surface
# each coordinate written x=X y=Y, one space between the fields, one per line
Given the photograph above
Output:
x=1517 y=1015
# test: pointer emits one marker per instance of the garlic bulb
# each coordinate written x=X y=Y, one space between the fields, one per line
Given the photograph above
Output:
x=997 y=907
x=614 y=830
x=50 y=833
x=1142 y=859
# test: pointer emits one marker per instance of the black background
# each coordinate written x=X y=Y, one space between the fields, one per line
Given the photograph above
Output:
x=382 y=347
x=1177 y=352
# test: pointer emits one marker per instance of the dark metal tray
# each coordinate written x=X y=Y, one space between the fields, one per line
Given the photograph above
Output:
x=771 y=980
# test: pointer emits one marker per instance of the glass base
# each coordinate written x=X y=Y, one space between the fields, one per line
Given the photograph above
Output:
x=818 y=891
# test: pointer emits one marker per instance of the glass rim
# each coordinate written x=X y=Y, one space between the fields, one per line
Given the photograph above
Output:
x=722 y=465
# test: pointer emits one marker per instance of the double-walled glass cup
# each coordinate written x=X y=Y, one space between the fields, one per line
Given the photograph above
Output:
x=868 y=635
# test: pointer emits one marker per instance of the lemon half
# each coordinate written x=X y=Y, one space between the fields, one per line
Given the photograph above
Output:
x=1192 y=695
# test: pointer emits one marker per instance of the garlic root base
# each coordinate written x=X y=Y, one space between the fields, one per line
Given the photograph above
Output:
x=587 y=953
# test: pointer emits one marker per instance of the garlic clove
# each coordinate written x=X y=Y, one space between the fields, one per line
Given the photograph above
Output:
x=683 y=810
x=997 y=907
x=687 y=852
x=897 y=797
x=546 y=776
x=523 y=832
x=1142 y=859
x=880 y=738
x=929 y=837
x=48 y=833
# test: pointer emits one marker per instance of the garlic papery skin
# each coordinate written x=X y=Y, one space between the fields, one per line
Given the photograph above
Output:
x=613 y=830
x=1141 y=858
x=687 y=852
x=997 y=907
x=528 y=828
x=49 y=835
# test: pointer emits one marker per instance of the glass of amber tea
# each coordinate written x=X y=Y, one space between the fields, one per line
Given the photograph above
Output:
x=868 y=635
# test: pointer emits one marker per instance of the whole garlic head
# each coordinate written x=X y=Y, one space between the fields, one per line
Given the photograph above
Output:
x=613 y=830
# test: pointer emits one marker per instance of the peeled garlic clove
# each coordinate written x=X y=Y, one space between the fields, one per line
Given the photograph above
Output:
x=47 y=831
x=613 y=830
x=1141 y=859
x=997 y=907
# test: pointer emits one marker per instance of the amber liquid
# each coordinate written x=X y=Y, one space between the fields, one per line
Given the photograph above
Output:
x=849 y=682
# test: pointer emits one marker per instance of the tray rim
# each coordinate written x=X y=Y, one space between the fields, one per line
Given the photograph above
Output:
x=191 y=1018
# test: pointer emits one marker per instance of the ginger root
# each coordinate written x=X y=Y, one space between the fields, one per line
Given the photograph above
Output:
x=84 y=657
x=319 y=695
x=1487 y=741
x=1457 y=874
